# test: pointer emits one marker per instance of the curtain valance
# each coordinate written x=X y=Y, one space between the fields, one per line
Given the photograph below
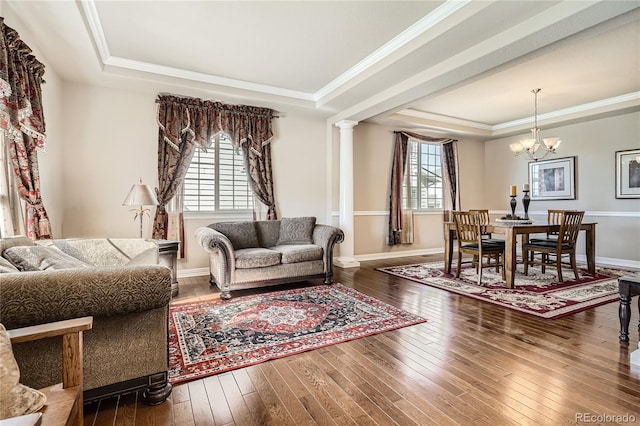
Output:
x=185 y=123
x=203 y=119
x=20 y=94
x=22 y=123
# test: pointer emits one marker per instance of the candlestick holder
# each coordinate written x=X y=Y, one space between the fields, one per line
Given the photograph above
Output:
x=525 y=202
x=513 y=203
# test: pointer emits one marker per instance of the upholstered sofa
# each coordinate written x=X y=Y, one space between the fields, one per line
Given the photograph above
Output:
x=261 y=253
x=119 y=283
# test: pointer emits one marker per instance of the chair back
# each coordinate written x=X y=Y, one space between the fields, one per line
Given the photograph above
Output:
x=467 y=227
x=484 y=219
x=570 y=227
x=554 y=217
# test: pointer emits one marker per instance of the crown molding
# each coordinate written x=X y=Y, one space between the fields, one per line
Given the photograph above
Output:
x=617 y=102
x=438 y=15
x=428 y=119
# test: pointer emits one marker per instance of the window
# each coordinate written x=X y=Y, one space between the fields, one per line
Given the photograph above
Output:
x=217 y=179
x=422 y=187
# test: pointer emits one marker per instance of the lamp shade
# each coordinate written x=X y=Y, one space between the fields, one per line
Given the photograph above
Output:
x=140 y=195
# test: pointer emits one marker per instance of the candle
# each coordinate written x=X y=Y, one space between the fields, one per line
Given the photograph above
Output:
x=514 y=190
x=525 y=187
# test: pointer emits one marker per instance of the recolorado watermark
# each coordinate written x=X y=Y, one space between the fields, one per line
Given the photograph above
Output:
x=605 y=418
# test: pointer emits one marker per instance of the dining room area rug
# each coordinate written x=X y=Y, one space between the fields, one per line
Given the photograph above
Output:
x=537 y=293
x=214 y=336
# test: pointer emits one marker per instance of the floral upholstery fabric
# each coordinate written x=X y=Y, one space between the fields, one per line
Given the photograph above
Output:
x=39 y=258
x=241 y=234
x=16 y=399
x=296 y=230
x=256 y=258
x=299 y=253
x=108 y=251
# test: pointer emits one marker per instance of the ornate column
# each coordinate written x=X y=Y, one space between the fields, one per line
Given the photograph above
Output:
x=346 y=258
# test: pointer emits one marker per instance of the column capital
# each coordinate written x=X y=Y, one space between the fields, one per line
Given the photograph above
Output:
x=346 y=124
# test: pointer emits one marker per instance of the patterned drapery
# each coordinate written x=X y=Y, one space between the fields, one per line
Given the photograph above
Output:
x=22 y=122
x=451 y=197
x=398 y=170
x=397 y=175
x=185 y=123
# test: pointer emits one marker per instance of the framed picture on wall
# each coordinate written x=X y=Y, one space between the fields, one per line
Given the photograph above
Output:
x=628 y=173
x=553 y=179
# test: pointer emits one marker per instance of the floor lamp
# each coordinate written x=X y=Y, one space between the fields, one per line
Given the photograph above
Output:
x=140 y=195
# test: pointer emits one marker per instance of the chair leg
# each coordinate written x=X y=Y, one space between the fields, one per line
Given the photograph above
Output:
x=459 y=263
x=559 y=268
x=574 y=266
x=480 y=272
x=526 y=262
x=504 y=274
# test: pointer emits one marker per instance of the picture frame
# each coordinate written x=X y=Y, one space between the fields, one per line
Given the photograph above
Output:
x=553 y=179
x=628 y=173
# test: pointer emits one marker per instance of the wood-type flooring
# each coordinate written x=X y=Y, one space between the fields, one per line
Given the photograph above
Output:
x=471 y=363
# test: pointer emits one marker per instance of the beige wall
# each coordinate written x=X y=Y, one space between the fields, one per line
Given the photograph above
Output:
x=373 y=150
x=594 y=144
x=101 y=141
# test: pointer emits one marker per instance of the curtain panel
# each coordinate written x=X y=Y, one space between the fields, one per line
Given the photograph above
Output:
x=186 y=123
x=22 y=122
x=398 y=172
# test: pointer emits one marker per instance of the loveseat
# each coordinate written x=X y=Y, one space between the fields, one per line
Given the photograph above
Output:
x=260 y=253
x=119 y=283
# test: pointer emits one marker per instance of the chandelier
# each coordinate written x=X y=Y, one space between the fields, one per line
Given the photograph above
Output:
x=534 y=144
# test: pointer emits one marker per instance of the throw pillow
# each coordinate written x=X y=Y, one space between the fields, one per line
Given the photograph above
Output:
x=296 y=230
x=16 y=399
x=41 y=258
x=6 y=266
x=241 y=234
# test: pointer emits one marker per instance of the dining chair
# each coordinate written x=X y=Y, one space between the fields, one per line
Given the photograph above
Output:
x=470 y=241
x=554 y=217
x=551 y=251
x=485 y=219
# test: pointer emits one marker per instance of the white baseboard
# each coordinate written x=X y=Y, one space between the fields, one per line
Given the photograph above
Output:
x=600 y=261
x=195 y=272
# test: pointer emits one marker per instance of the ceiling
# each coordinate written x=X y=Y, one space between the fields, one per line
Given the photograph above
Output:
x=459 y=67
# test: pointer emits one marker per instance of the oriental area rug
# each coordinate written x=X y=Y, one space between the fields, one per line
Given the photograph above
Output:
x=210 y=337
x=536 y=294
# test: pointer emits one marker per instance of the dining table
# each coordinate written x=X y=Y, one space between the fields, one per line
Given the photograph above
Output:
x=511 y=230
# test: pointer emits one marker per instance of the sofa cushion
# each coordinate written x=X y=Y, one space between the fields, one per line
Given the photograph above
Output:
x=16 y=399
x=268 y=232
x=256 y=258
x=296 y=230
x=5 y=243
x=241 y=234
x=6 y=266
x=41 y=258
x=299 y=253
x=108 y=251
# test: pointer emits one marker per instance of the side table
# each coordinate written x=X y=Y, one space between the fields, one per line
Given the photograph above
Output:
x=168 y=256
x=628 y=286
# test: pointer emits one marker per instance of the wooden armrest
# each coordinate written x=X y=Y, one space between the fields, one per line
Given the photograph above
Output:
x=52 y=329
x=64 y=401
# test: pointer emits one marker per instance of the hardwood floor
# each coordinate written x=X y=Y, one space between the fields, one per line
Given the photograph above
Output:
x=471 y=363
